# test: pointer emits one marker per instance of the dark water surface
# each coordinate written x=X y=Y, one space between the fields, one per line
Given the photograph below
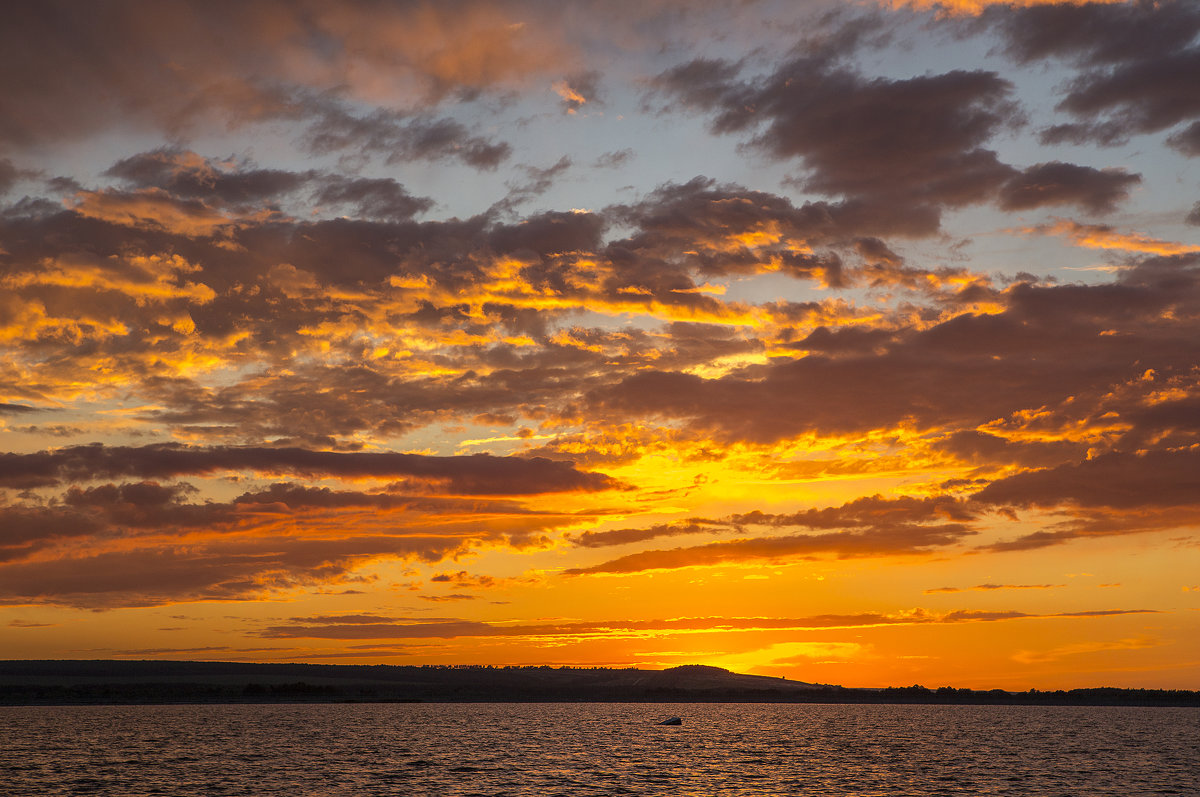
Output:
x=598 y=749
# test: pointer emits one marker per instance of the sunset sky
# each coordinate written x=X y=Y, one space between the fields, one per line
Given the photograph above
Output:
x=855 y=342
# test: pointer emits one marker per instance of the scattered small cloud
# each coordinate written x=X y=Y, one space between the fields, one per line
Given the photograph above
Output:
x=991 y=587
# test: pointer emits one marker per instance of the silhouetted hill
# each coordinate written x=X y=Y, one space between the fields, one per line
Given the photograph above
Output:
x=191 y=681
x=69 y=682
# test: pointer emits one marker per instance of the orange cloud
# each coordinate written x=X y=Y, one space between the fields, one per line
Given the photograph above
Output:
x=446 y=46
x=896 y=541
x=383 y=627
x=976 y=7
x=1103 y=236
x=145 y=279
x=989 y=587
x=570 y=96
x=152 y=208
x=145 y=543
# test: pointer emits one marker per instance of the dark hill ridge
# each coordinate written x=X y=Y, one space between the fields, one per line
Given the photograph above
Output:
x=703 y=676
x=188 y=681
x=80 y=682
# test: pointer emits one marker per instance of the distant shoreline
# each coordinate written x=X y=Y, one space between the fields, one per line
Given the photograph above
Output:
x=106 y=682
x=1135 y=700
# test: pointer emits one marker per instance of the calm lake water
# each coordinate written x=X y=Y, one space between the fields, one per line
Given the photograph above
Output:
x=597 y=749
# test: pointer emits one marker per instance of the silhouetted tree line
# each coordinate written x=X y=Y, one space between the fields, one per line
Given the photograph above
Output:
x=1101 y=696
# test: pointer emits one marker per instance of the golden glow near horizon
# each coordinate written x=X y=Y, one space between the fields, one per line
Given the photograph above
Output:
x=975 y=7
x=869 y=363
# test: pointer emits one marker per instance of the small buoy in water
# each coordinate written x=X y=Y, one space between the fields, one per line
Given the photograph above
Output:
x=671 y=721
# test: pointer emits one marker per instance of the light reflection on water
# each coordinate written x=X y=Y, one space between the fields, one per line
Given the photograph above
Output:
x=597 y=749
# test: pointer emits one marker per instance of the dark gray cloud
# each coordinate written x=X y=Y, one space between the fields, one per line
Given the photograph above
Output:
x=538 y=180
x=400 y=138
x=866 y=527
x=1147 y=96
x=990 y=588
x=600 y=539
x=702 y=226
x=1104 y=134
x=545 y=235
x=371 y=197
x=614 y=159
x=233 y=569
x=1116 y=480
x=1098 y=34
x=8 y=175
x=982 y=448
x=1057 y=183
x=904 y=147
x=700 y=83
x=17 y=409
x=901 y=150
x=1135 y=60
x=891 y=541
x=29 y=529
x=187 y=175
x=845 y=341
x=875 y=512
x=461 y=578
x=471 y=474
x=1187 y=140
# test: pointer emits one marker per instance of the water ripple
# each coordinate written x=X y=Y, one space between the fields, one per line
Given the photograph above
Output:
x=597 y=749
